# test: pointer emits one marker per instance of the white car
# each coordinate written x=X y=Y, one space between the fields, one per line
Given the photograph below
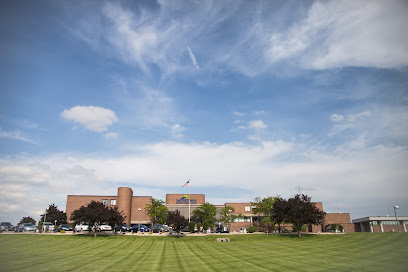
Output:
x=81 y=227
x=104 y=227
x=47 y=226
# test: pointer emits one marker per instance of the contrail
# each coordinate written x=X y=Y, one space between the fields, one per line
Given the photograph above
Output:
x=193 y=59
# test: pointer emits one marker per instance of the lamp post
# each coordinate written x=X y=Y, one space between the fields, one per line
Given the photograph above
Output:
x=230 y=211
x=139 y=220
x=396 y=218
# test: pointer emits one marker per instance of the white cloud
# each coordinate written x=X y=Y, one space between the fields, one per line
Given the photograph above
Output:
x=257 y=124
x=111 y=135
x=237 y=113
x=346 y=33
x=336 y=117
x=91 y=117
x=193 y=59
x=177 y=131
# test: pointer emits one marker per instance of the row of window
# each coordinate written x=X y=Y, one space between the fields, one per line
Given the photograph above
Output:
x=375 y=223
x=112 y=202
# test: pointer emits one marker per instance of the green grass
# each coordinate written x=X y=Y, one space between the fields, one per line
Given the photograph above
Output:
x=348 y=252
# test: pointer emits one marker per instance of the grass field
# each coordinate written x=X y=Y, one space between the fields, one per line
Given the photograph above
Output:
x=256 y=252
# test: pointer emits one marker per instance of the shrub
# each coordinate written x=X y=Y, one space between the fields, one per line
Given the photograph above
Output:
x=341 y=229
x=252 y=229
x=333 y=227
x=62 y=231
x=302 y=228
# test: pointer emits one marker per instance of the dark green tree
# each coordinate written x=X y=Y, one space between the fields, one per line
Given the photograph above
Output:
x=157 y=211
x=176 y=221
x=300 y=211
x=278 y=213
x=95 y=214
x=27 y=219
x=52 y=214
x=205 y=215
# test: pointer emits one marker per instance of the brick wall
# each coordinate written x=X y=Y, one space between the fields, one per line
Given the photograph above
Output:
x=339 y=219
x=74 y=202
x=140 y=202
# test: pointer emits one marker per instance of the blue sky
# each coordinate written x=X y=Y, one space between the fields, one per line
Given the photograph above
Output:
x=245 y=98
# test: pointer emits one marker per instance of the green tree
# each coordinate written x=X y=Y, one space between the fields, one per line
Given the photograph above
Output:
x=27 y=219
x=157 y=211
x=264 y=208
x=227 y=215
x=176 y=221
x=205 y=215
x=52 y=214
x=95 y=214
x=301 y=211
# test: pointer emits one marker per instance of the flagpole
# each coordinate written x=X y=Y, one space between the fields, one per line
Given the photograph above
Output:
x=189 y=201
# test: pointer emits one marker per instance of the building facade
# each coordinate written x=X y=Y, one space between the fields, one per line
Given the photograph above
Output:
x=133 y=208
x=381 y=224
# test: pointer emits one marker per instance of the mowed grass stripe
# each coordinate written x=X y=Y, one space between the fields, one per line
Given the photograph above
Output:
x=349 y=252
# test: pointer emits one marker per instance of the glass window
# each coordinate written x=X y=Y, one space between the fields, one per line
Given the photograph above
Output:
x=247 y=208
x=113 y=202
x=375 y=223
x=104 y=201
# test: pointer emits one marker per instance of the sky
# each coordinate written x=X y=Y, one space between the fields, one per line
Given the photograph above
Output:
x=243 y=98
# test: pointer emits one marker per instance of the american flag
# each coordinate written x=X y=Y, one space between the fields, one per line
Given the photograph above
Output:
x=186 y=184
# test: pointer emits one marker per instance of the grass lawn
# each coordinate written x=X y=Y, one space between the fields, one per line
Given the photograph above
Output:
x=255 y=252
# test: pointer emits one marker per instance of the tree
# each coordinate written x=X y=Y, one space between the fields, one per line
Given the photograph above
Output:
x=157 y=211
x=205 y=215
x=27 y=219
x=226 y=216
x=264 y=208
x=95 y=214
x=278 y=213
x=176 y=221
x=300 y=211
x=52 y=214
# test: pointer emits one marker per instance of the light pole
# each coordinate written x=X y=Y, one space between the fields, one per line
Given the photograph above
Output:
x=396 y=218
x=230 y=211
x=139 y=220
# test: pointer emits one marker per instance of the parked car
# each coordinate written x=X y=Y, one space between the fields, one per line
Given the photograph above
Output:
x=104 y=227
x=123 y=228
x=221 y=230
x=6 y=226
x=26 y=227
x=81 y=227
x=65 y=227
x=47 y=226
x=143 y=228
x=159 y=228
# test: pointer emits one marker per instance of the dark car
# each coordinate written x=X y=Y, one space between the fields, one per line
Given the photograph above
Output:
x=6 y=226
x=65 y=227
x=123 y=228
x=143 y=228
x=221 y=230
x=159 y=228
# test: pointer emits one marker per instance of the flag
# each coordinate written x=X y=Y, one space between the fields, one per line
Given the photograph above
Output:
x=186 y=184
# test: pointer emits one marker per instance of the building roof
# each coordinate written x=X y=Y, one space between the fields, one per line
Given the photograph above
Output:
x=379 y=218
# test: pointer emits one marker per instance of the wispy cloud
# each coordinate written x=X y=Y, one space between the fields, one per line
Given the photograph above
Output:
x=177 y=131
x=345 y=33
x=193 y=59
x=257 y=124
x=15 y=135
x=91 y=117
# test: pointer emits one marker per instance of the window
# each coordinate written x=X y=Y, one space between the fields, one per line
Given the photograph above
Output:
x=113 y=202
x=104 y=201
x=247 y=208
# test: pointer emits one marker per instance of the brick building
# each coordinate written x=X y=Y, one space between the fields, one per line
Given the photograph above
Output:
x=130 y=204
